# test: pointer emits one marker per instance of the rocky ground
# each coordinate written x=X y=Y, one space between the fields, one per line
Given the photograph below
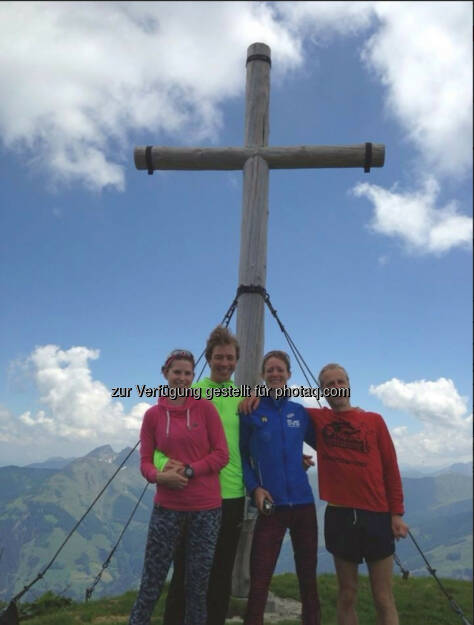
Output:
x=278 y=609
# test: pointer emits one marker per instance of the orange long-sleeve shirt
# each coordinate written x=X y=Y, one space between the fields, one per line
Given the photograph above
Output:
x=357 y=462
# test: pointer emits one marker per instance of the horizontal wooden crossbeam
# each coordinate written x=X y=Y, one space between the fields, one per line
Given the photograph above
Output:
x=277 y=157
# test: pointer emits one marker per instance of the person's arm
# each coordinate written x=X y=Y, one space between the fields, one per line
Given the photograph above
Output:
x=309 y=439
x=313 y=414
x=392 y=480
x=218 y=457
x=147 y=447
x=170 y=479
x=259 y=496
x=160 y=460
x=399 y=527
x=251 y=481
x=248 y=404
x=310 y=434
x=163 y=463
x=245 y=433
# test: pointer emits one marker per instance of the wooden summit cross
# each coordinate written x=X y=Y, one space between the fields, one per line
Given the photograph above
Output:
x=256 y=158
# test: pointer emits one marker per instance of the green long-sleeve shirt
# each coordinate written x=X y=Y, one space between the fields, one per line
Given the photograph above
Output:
x=231 y=477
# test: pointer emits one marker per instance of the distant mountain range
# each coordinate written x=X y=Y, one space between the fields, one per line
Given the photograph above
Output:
x=58 y=462
x=40 y=504
x=464 y=468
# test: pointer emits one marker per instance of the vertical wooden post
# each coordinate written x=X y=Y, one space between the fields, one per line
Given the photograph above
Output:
x=253 y=257
x=253 y=239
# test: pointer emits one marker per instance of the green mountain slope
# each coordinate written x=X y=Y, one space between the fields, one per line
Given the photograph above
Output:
x=33 y=526
x=39 y=507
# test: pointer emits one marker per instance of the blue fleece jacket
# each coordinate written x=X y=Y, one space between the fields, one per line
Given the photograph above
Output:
x=271 y=447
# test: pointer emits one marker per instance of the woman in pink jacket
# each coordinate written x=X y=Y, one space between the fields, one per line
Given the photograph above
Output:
x=187 y=500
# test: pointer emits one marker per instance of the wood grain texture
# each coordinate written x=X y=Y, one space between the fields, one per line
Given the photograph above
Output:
x=253 y=263
x=277 y=157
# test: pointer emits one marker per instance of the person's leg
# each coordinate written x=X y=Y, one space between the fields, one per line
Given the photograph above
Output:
x=304 y=538
x=378 y=549
x=380 y=574
x=347 y=592
x=344 y=540
x=266 y=544
x=175 y=600
x=201 y=538
x=220 y=581
x=163 y=533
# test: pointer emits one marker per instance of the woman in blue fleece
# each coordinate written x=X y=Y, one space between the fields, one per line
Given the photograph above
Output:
x=271 y=446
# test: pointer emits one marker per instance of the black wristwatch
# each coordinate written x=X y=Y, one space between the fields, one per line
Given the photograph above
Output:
x=188 y=471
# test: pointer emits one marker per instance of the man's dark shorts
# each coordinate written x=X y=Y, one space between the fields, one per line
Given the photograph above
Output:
x=352 y=534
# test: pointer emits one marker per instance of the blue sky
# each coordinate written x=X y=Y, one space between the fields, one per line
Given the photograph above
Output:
x=106 y=269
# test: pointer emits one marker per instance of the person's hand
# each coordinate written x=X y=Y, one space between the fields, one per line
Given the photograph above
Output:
x=399 y=527
x=307 y=462
x=172 y=478
x=173 y=465
x=259 y=494
x=248 y=405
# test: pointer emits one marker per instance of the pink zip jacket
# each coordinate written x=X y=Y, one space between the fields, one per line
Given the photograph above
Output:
x=193 y=434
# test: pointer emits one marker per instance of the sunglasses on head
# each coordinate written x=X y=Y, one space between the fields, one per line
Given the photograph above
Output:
x=176 y=354
x=181 y=352
x=276 y=352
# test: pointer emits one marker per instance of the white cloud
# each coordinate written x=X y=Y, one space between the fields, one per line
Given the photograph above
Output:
x=422 y=52
x=416 y=220
x=92 y=74
x=446 y=433
x=78 y=413
x=321 y=20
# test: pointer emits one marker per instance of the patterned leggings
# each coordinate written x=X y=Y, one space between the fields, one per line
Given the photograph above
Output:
x=166 y=528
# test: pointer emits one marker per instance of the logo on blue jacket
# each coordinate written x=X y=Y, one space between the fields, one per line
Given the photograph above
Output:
x=290 y=422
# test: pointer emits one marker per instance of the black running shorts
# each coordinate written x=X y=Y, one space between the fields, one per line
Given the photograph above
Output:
x=354 y=535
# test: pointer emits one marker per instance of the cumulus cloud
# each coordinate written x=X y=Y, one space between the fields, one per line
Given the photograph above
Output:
x=446 y=432
x=322 y=20
x=416 y=220
x=422 y=53
x=78 y=411
x=99 y=74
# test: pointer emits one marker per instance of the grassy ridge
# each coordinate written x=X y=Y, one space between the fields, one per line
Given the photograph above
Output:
x=419 y=601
